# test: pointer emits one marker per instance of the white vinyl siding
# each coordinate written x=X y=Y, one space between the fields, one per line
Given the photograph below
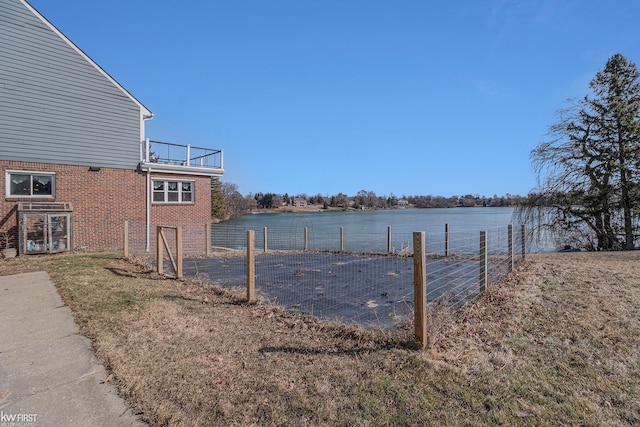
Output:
x=56 y=106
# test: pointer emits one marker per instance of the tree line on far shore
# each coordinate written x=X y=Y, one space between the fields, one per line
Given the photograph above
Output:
x=227 y=202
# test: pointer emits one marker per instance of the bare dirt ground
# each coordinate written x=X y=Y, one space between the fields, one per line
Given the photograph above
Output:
x=558 y=343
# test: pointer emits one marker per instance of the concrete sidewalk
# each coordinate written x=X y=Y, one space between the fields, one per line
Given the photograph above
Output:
x=48 y=373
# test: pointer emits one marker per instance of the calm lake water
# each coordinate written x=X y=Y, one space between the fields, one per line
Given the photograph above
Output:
x=367 y=230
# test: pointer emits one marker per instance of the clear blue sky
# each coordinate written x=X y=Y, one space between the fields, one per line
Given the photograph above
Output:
x=410 y=97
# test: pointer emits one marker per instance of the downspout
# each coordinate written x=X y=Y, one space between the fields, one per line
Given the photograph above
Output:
x=148 y=219
x=144 y=157
x=147 y=148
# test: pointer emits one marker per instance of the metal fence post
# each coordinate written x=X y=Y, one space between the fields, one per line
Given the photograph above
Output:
x=420 y=289
x=306 y=239
x=389 y=246
x=341 y=239
x=446 y=239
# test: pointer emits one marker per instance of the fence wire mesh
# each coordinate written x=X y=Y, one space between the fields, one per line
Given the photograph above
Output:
x=364 y=278
x=142 y=240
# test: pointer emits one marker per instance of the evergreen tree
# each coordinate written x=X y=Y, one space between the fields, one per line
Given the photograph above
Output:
x=591 y=168
x=217 y=199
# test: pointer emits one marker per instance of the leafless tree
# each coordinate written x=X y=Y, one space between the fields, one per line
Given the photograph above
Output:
x=588 y=172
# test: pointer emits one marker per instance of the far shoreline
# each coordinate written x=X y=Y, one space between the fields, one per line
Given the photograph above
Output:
x=315 y=208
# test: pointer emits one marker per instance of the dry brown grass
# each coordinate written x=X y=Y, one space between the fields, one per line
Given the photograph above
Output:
x=557 y=344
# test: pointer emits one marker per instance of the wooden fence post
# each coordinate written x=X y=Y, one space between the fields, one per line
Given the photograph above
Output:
x=483 y=262
x=510 y=257
x=179 y=274
x=446 y=239
x=126 y=239
x=251 y=266
x=523 y=232
x=207 y=239
x=389 y=246
x=341 y=239
x=420 y=289
x=159 y=248
x=264 y=239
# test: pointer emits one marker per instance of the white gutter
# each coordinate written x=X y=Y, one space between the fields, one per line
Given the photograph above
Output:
x=181 y=170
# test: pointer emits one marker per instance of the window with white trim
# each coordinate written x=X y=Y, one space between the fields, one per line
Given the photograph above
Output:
x=30 y=184
x=172 y=191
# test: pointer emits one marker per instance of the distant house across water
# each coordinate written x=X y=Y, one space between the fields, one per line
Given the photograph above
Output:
x=299 y=202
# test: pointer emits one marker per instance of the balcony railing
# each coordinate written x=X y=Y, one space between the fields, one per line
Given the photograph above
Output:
x=174 y=156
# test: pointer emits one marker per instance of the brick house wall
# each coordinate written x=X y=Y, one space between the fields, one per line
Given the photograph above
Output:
x=102 y=201
x=198 y=213
x=60 y=100
x=191 y=217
